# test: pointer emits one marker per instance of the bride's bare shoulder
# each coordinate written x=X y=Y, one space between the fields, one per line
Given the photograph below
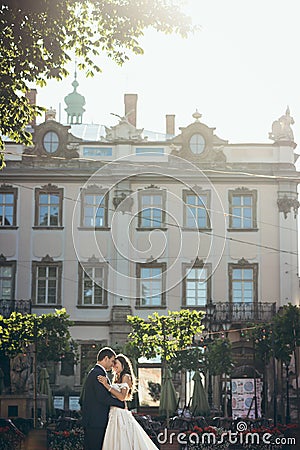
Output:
x=127 y=379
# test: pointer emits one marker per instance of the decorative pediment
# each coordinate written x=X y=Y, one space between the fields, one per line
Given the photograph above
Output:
x=241 y=189
x=152 y=186
x=93 y=259
x=151 y=260
x=52 y=139
x=243 y=262
x=124 y=131
x=50 y=187
x=198 y=143
x=47 y=259
x=93 y=188
x=197 y=262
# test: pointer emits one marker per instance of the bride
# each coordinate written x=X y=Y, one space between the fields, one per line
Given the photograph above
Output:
x=123 y=432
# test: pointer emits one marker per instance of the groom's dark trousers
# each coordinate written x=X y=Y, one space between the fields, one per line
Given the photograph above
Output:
x=95 y=409
x=93 y=438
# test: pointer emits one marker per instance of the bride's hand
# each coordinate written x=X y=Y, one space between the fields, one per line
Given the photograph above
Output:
x=103 y=380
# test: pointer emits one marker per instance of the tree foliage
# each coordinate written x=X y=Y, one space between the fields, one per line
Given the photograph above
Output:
x=262 y=336
x=49 y=331
x=280 y=337
x=165 y=335
x=189 y=359
x=286 y=328
x=219 y=357
x=39 y=37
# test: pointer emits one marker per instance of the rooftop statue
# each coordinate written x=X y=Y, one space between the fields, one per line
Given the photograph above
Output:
x=281 y=128
x=124 y=130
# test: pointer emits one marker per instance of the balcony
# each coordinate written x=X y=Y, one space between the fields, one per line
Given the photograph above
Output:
x=20 y=306
x=244 y=312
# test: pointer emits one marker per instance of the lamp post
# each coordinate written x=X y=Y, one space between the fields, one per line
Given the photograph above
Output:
x=287 y=414
x=226 y=327
x=211 y=325
x=274 y=381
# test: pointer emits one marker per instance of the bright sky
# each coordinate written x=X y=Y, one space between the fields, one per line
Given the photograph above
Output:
x=240 y=71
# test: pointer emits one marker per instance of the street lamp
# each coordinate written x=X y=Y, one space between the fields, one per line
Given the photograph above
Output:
x=211 y=325
x=287 y=413
x=226 y=327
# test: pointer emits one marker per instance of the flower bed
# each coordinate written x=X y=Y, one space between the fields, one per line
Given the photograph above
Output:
x=263 y=438
x=206 y=438
x=65 y=440
x=256 y=438
x=10 y=439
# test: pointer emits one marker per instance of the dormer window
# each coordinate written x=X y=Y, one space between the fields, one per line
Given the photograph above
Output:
x=197 y=143
x=50 y=142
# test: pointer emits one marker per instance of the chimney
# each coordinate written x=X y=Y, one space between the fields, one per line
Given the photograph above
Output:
x=130 y=101
x=31 y=96
x=170 y=124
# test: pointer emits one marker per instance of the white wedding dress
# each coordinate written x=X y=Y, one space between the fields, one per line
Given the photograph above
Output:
x=123 y=432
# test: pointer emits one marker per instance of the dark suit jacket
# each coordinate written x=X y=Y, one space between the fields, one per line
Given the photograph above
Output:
x=97 y=401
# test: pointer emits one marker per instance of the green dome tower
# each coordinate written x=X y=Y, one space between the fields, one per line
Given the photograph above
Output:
x=75 y=103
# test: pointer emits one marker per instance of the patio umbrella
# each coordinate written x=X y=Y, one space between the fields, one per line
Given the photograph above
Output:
x=168 y=397
x=44 y=388
x=199 y=400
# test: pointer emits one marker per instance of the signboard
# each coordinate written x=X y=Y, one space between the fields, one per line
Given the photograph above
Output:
x=149 y=386
x=243 y=397
x=59 y=402
x=74 y=403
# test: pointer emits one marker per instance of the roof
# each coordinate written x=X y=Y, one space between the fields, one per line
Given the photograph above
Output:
x=96 y=132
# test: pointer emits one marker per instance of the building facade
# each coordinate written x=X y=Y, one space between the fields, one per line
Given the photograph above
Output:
x=110 y=221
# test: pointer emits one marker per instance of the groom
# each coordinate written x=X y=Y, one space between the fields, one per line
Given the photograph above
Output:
x=97 y=401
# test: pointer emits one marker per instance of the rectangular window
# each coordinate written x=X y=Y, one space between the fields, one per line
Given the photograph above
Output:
x=92 y=284
x=47 y=283
x=196 y=287
x=94 y=211
x=7 y=280
x=48 y=210
x=242 y=209
x=48 y=207
x=196 y=284
x=196 y=213
x=8 y=206
x=151 y=285
x=152 y=210
x=149 y=151
x=243 y=282
x=97 y=151
x=242 y=285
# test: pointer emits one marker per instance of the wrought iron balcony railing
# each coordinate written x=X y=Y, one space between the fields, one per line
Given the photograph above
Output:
x=8 y=306
x=244 y=312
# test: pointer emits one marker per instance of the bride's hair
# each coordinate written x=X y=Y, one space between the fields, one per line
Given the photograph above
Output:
x=127 y=370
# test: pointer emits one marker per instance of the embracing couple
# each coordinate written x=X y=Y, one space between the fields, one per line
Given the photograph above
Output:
x=108 y=424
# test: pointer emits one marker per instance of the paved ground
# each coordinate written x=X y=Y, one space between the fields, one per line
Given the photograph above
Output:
x=36 y=440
